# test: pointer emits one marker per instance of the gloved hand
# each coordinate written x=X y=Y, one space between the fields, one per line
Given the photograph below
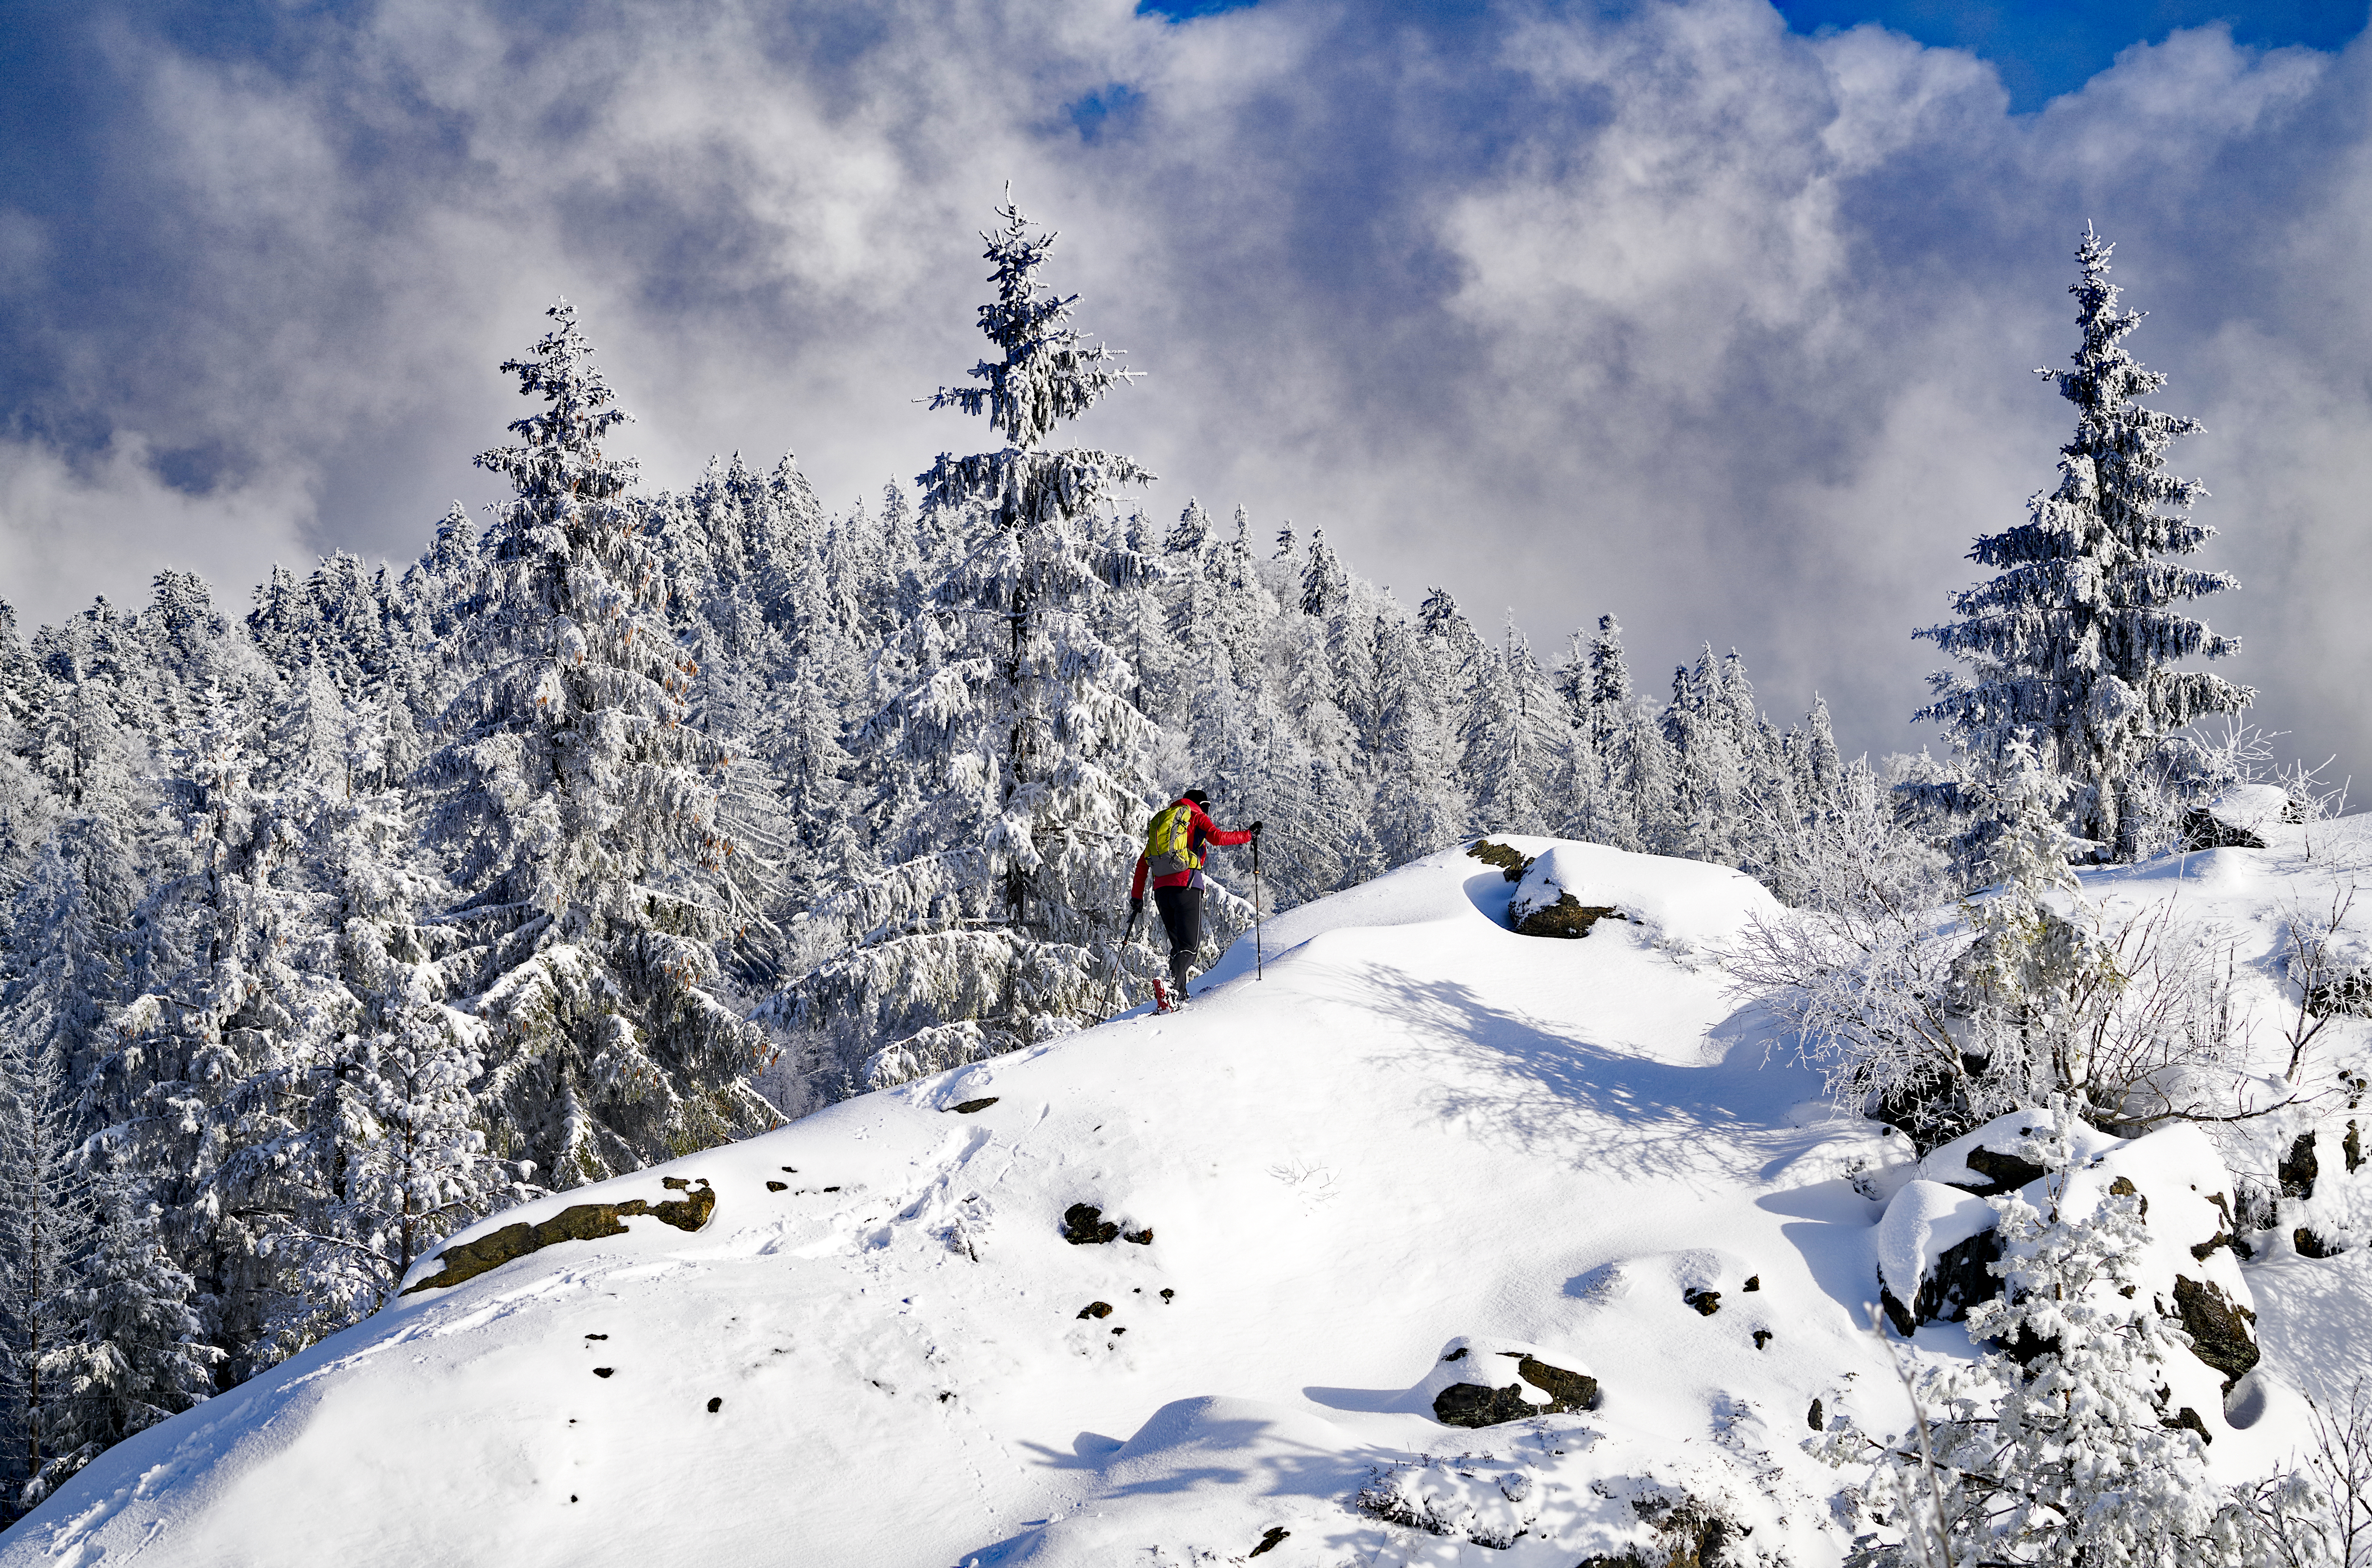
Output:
x=1135 y=908
x=1256 y=830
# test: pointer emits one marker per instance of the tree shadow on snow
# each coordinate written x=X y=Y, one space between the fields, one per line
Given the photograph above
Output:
x=1533 y=1085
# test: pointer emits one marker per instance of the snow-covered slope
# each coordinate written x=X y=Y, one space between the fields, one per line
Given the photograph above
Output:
x=1420 y=1144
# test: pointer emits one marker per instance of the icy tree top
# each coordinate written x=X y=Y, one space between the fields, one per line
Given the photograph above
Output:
x=1049 y=372
x=562 y=454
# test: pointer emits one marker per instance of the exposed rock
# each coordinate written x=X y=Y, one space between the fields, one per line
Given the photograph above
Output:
x=778 y=1187
x=1472 y=1404
x=971 y=1106
x=716 y=1404
x=2122 y=1187
x=1706 y=1302
x=1934 y=1246
x=1477 y=1404
x=1762 y=1338
x=1512 y=862
x=2310 y=1244
x=2187 y=1417
x=1269 y=1538
x=1816 y=1418
x=2299 y=1168
x=2352 y=1147
x=1084 y=1226
x=1168 y=1294
x=2220 y=1331
x=578 y=1222
x=2201 y=829
x=1963 y=1277
x=1568 y=1392
x=605 y=1372
x=1141 y=1237
x=1096 y=1309
x=2003 y=1173
x=1568 y=917
x=1753 y=1282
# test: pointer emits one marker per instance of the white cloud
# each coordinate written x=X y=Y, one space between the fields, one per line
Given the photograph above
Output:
x=1670 y=312
x=70 y=532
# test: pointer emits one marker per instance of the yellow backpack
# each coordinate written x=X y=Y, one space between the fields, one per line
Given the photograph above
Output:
x=1169 y=843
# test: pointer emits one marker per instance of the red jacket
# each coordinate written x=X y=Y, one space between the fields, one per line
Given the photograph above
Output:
x=1200 y=830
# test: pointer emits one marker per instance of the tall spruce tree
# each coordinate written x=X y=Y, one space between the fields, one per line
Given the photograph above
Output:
x=580 y=810
x=1011 y=777
x=2073 y=645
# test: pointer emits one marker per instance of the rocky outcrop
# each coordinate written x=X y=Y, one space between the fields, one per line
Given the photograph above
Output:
x=1471 y=1395
x=578 y=1222
x=1510 y=860
x=1568 y=917
x=1547 y=904
x=2299 y=1168
x=2002 y=1172
x=1084 y=1226
x=2203 y=830
x=2219 y=1330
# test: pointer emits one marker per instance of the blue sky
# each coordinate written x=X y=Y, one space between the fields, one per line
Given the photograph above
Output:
x=2042 y=48
x=1720 y=319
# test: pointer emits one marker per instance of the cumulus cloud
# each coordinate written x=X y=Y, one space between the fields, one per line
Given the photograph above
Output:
x=1666 y=311
x=71 y=532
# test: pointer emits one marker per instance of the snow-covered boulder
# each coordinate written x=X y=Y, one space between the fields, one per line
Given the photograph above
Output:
x=1933 y=1248
x=1548 y=901
x=2237 y=818
x=1482 y=1382
x=1568 y=888
x=1933 y=1242
x=1999 y=1157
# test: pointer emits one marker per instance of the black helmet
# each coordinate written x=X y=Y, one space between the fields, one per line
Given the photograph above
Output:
x=1198 y=797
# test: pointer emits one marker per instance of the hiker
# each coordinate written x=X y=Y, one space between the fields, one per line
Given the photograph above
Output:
x=1173 y=856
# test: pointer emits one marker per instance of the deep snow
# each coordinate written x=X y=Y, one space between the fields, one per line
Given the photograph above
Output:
x=1417 y=1133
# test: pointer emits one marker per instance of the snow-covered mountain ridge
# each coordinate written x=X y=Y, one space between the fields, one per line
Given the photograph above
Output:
x=1418 y=1143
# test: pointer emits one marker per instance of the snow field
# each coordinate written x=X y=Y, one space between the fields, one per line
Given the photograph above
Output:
x=1417 y=1129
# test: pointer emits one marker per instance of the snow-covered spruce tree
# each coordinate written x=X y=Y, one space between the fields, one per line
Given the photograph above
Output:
x=399 y=1155
x=1421 y=804
x=2056 y=1450
x=2073 y=645
x=1012 y=774
x=138 y=1355
x=579 y=811
x=1710 y=779
x=1516 y=737
x=45 y=1225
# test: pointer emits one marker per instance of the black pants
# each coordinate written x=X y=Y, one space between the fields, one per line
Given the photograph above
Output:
x=1181 y=917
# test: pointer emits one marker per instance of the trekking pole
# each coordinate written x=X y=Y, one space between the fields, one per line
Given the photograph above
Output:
x=1112 y=996
x=1260 y=962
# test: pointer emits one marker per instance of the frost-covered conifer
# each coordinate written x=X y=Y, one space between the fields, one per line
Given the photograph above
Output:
x=400 y=1159
x=1421 y=804
x=1516 y=738
x=1011 y=780
x=1325 y=588
x=1709 y=774
x=45 y=1225
x=2072 y=646
x=580 y=811
x=138 y=1355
